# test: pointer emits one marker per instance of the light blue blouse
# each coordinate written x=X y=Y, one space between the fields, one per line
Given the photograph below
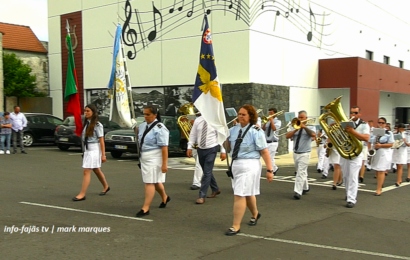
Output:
x=156 y=138
x=253 y=142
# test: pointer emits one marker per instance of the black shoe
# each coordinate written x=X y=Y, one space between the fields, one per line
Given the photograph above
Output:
x=368 y=169
x=254 y=221
x=296 y=196
x=163 y=205
x=408 y=179
x=339 y=184
x=296 y=173
x=305 y=191
x=319 y=171
x=194 y=187
x=24 y=152
x=397 y=184
x=232 y=232
x=76 y=199
x=386 y=174
x=377 y=194
x=332 y=168
x=394 y=170
x=276 y=171
x=334 y=187
x=141 y=213
x=324 y=177
x=105 y=192
x=361 y=179
x=349 y=205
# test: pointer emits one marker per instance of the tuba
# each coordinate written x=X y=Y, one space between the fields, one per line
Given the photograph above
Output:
x=345 y=143
x=183 y=121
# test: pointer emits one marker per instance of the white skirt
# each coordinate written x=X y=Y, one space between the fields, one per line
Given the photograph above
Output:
x=408 y=154
x=92 y=156
x=151 y=163
x=246 y=177
x=334 y=157
x=400 y=155
x=382 y=159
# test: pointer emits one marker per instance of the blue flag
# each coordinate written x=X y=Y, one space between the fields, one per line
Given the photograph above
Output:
x=207 y=95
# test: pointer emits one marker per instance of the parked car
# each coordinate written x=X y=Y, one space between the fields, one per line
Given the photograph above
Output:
x=40 y=128
x=65 y=137
x=122 y=141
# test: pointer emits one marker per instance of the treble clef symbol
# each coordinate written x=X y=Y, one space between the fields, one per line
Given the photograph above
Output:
x=129 y=36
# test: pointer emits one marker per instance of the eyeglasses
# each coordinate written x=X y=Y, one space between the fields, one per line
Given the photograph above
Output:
x=354 y=112
x=382 y=123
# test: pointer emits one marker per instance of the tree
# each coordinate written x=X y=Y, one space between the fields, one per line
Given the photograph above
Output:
x=17 y=78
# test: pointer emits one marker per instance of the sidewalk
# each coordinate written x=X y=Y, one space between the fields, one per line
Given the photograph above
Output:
x=285 y=160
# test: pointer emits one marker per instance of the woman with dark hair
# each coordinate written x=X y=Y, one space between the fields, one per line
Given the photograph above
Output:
x=94 y=151
x=382 y=159
x=400 y=154
x=153 y=138
x=249 y=144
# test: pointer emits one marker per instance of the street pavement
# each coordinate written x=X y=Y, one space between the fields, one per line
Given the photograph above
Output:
x=36 y=192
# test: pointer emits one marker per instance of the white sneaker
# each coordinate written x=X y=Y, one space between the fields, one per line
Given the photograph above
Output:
x=1 y=152
x=7 y=152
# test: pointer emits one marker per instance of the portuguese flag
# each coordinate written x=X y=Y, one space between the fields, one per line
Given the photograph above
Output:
x=71 y=90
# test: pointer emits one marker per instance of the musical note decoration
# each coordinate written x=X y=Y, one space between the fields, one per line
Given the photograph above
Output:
x=160 y=21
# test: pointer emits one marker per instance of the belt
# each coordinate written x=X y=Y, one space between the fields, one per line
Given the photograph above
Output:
x=271 y=142
x=299 y=153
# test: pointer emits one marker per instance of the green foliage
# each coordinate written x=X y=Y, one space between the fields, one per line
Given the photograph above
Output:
x=17 y=79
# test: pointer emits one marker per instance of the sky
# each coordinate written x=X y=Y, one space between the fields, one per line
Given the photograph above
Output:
x=32 y=13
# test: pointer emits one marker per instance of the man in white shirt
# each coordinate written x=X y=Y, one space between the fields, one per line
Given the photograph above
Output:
x=272 y=141
x=207 y=139
x=18 y=122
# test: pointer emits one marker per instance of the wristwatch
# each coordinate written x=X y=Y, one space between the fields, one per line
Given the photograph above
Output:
x=270 y=171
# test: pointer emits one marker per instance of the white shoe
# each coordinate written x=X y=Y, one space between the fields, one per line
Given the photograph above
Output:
x=1 y=152
x=7 y=152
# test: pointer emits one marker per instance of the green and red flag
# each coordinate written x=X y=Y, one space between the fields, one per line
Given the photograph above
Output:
x=71 y=89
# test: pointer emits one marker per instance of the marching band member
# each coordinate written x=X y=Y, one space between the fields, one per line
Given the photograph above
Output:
x=196 y=181
x=321 y=151
x=94 y=151
x=351 y=167
x=249 y=145
x=400 y=154
x=334 y=159
x=272 y=140
x=382 y=159
x=153 y=138
x=301 y=153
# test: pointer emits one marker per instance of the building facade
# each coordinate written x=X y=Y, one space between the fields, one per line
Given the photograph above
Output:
x=267 y=53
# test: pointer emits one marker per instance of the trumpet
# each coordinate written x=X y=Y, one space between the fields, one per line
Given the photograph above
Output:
x=265 y=119
x=257 y=112
x=318 y=140
x=296 y=124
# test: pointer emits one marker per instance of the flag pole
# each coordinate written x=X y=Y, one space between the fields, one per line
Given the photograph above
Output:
x=127 y=80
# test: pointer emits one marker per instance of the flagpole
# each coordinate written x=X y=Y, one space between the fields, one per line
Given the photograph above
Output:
x=127 y=80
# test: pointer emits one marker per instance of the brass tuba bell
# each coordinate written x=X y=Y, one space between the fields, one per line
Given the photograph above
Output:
x=345 y=143
x=183 y=121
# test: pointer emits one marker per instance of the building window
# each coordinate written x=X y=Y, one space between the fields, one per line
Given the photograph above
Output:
x=369 y=55
x=386 y=60
x=401 y=64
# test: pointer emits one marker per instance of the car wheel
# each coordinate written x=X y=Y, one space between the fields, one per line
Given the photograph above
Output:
x=63 y=147
x=28 y=139
x=116 y=154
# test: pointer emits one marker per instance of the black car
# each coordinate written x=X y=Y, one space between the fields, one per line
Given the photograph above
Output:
x=65 y=136
x=40 y=128
x=123 y=141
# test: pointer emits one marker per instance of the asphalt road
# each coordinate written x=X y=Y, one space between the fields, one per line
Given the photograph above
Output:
x=36 y=191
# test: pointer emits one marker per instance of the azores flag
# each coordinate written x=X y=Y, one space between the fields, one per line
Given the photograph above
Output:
x=207 y=95
x=120 y=109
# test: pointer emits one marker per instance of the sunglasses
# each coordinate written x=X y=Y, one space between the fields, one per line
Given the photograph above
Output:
x=381 y=123
x=354 y=113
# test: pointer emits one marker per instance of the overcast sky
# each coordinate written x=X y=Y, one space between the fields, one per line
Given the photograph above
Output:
x=32 y=13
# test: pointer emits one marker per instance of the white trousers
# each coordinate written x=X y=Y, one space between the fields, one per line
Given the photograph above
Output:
x=272 y=148
x=198 y=170
x=350 y=170
x=301 y=165
x=326 y=166
x=321 y=151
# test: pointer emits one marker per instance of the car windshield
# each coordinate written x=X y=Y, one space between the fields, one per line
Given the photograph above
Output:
x=69 y=121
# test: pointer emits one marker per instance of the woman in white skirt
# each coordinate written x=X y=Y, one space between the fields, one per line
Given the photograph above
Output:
x=94 y=151
x=382 y=159
x=248 y=144
x=153 y=138
x=400 y=154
